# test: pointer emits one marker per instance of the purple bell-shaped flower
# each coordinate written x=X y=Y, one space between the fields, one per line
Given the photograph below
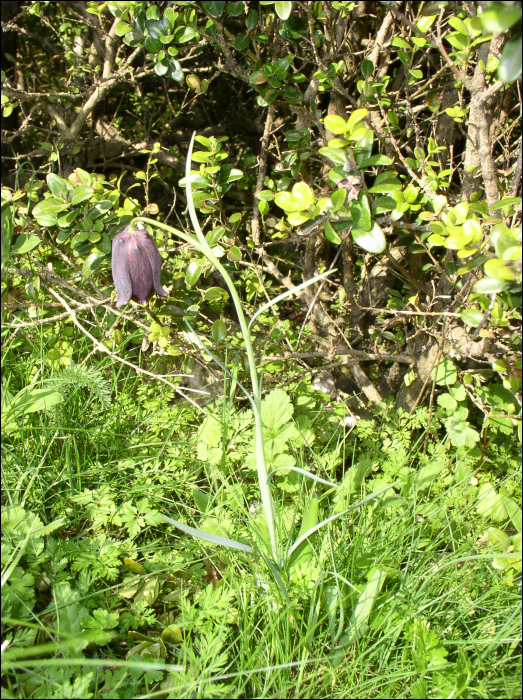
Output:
x=136 y=266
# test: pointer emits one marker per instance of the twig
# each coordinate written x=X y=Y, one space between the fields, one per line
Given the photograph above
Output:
x=103 y=348
x=262 y=163
x=516 y=178
x=436 y=361
x=313 y=302
x=409 y=313
x=358 y=355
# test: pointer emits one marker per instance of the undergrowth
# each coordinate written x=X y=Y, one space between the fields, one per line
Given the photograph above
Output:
x=414 y=594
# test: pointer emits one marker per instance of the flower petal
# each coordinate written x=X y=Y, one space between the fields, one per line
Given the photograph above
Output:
x=120 y=269
x=153 y=254
x=139 y=269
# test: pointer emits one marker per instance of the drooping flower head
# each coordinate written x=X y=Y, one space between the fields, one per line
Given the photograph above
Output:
x=136 y=266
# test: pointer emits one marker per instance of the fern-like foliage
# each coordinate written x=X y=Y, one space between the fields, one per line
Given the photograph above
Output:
x=74 y=377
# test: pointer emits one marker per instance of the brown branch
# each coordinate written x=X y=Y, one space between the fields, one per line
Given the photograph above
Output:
x=262 y=163
x=357 y=355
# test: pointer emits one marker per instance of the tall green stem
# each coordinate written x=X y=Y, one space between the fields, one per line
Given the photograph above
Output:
x=201 y=244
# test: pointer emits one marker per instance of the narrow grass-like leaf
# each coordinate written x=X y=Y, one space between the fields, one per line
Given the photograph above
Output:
x=305 y=473
x=307 y=534
x=361 y=614
x=208 y=537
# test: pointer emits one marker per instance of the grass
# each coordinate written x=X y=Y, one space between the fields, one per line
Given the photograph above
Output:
x=443 y=622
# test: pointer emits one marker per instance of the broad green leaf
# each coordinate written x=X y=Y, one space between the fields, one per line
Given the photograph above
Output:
x=69 y=611
x=505 y=202
x=201 y=157
x=338 y=198
x=267 y=97
x=251 y=21
x=498 y=17
x=297 y=218
x=472 y=317
x=153 y=46
x=45 y=211
x=161 y=68
x=176 y=72
x=241 y=42
x=81 y=193
x=472 y=264
x=258 y=77
x=303 y=195
x=498 y=270
x=218 y=331
x=510 y=64
x=461 y=433
x=372 y=241
x=122 y=28
x=367 y=68
x=489 y=285
x=461 y=211
x=192 y=274
x=425 y=23
x=424 y=478
x=331 y=235
x=283 y=9
x=59 y=187
x=277 y=409
x=215 y=294
x=286 y=201
x=336 y=155
x=213 y=8
x=487 y=501
x=134 y=567
x=92 y=263
x=357 y=116
x=24 y=243
x=445 y=373
x=172 y=634
x=398 y=41
x=291 y=95
x=377 y=160
x=337 y=125
x=31 y=400
x=458 y=24
x=234 y=254
x=184 y=35
x=472 y=228
x=281 y=66
x=361 y=213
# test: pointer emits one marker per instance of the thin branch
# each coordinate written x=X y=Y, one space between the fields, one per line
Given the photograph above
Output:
x=262 y=169
x=102 y=348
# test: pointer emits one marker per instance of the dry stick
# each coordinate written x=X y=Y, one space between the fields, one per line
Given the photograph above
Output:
x=262 y=162
x=380 y=39
x=436 y=361
x=356 y=355
x=50 y=319
x=103 y=348
x=516 y=178
x=328 y=324
x=313 y=302
x=395 y=312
